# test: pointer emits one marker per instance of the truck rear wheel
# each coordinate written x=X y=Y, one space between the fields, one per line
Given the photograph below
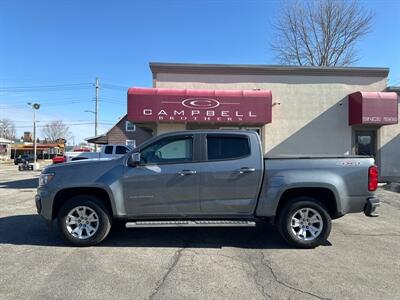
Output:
x=304 y=222
x=84 y=221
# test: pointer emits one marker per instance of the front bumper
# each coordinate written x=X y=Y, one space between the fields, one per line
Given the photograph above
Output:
x=38 y=202
x=43 y=203
x=370 y=207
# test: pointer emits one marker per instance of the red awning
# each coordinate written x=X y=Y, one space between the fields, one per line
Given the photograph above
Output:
x=215 y=106
x=373 y=108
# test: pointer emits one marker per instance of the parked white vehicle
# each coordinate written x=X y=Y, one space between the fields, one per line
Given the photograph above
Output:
x=106 y=151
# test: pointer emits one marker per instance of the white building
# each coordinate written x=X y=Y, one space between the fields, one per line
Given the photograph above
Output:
x=296 y=110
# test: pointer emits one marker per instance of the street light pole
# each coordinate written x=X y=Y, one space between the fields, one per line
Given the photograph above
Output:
x=35 y=106
x=34 y=138
x=96 y=111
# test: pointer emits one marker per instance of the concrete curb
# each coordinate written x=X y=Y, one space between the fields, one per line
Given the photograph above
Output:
x=393 y=187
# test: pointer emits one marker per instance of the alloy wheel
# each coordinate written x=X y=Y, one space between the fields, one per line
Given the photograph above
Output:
x=306 y=224
x=82 y=222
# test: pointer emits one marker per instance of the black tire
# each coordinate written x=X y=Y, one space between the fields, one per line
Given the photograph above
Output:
x=104 y=220
x=285 y=225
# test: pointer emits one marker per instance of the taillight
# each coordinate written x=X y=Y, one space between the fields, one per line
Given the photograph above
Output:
x=372 y=178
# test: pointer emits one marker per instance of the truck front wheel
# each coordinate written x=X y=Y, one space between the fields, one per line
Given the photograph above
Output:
x=84 y=221
x=304 y=222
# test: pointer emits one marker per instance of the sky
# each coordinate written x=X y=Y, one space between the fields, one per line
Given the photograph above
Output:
x=52 y=51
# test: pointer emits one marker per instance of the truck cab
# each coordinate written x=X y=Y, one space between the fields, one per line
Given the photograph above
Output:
x=196 y=175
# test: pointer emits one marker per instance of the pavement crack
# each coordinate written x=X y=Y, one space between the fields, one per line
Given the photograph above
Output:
x=174 y=261
x=368 y=234
x=365 y=234
x=255 y=276
x=268 y=264
x=160 y=283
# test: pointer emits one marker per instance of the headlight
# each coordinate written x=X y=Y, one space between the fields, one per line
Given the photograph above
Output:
x=45 y=178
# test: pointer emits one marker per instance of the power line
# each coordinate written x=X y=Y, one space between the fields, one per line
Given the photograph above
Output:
x=49 y=90
x=51 y=99
x=4 y=91
x=65 y=122
x=64 y=86
x=72 y=124
x=53 y=86
x=61 y=103
x=113 y=102
x=66 y=102
x=113 y=98
x=44 y=105
x=114 y=87
x=394 y=83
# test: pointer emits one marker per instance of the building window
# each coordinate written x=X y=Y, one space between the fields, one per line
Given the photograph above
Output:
x=131 y=143
x=129 y=126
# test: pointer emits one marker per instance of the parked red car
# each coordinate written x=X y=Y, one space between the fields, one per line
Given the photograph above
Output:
x=59 y=159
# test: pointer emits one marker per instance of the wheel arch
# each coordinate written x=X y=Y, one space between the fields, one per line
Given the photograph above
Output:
x=65 y=194
x=324 y=195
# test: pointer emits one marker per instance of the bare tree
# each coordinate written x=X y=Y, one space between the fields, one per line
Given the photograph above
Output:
x=56 y=130
x=320 y=32
x=7 y=129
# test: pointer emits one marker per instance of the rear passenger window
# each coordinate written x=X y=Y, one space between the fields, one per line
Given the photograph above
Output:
x=108 y=150
x=227 y=147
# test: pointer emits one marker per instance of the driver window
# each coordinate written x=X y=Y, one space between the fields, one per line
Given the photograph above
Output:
x=168 y=151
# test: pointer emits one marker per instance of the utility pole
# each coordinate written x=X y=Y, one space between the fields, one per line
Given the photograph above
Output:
x=96 y=110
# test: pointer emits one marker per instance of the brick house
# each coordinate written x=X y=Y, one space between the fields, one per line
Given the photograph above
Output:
x=124 y=132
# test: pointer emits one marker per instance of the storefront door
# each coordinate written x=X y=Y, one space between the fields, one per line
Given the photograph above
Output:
x=365 y=142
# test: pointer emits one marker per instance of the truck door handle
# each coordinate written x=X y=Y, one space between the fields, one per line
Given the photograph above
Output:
x=187 y=172
x=246 y=170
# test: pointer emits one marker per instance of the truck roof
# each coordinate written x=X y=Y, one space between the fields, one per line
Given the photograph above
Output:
x=236 y=131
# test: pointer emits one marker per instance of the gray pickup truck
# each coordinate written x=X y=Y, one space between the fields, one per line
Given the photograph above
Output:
x=206 y=178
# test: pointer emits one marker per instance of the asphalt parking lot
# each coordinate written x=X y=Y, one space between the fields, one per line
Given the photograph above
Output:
x=361 y=261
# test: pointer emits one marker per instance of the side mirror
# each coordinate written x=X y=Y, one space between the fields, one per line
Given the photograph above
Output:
x=134 y=159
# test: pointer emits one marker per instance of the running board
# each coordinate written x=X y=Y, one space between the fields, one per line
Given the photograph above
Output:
x=198 y=223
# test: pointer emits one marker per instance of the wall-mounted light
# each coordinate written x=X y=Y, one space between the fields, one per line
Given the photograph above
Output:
x=276 y=103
